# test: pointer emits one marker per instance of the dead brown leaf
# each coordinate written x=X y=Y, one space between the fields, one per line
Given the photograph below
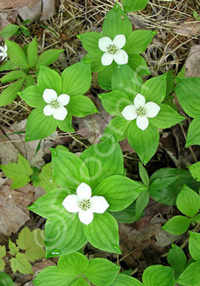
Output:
x=192 y=63
x=17 y=3
x=188 y=29
x=13 y=203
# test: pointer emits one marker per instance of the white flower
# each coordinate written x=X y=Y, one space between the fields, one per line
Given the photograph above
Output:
x=84 y=204
x=141 y=111
x=113 y=50
x=56 y=104
x=3 y=52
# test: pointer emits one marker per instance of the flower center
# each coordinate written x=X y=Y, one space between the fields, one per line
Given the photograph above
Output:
x=112 y=49
x=141 y=111
x=84 y=205
x=55 y=103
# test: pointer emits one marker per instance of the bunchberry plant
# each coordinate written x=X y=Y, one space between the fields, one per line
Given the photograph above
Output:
x=139 y=111
x=117 y=45
x=15 y=30
x=76 y=269
x=23 y=65
x=56 y=98
x=187 y=91
x=91 y=187
x=188 y=202
x=132 y=6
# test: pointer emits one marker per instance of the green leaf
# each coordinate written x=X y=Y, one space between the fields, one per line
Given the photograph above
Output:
x=48 y=57
x=9 y=31
x=177 y=225
x=29 y=81
x=116 y=22
x=166 y=184
x=32 y=243
x=81 y=106
x=127 y=215
x=195 y=171
x=181 y=74
x=188 y=93
x=131 y=6
x=193 y=136
x=177 y=260
x=143 y=174
x=64 y=236
x=17 y=55
x=138 y=139
x=101 y=272
x=80 y=282
x=13 y=248
x=141 y=204
x=2 y=251
x=65 y=125
x=47 y=180
x=102 y=233
x=191 y=275
x=115 y=101
x=2 y=266
x=103 y=160
x=119 y=191
x=5 y=280
x=52 y=276
x=50 y=204
x=39 y=126
x=77 y=79
x=125 y=280
x=197 y=218
x=126 y=80
x=188 y=201
x=158 y=275
x=138 y=41
x=13 y=75
x=90 y=43
x=19 y=172
x=194 y=245
x=21 y=264
x=68 y=169
x=170 y=82
x=117 y=128
x=32 y=52
x=138 y=64
x=33 y=96
x=8 y=66
x=95 y=59
x=2 y=254
x=74 y=263
x=10 y=93
x=154 y=89
x=49 y=78
x=166 y=117
x=105 y=76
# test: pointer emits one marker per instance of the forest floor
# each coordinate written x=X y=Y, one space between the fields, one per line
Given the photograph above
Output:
x=176 y=44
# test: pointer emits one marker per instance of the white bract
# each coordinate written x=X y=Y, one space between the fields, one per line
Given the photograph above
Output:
x=3 y=52
x=141 y=111
x=113 y=50
x=55 y=104
x=84 y=204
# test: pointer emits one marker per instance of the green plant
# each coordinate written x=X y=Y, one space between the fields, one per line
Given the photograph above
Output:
x=15 y=30
x=28 y=248
x=24 y=65
x=117 y=45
